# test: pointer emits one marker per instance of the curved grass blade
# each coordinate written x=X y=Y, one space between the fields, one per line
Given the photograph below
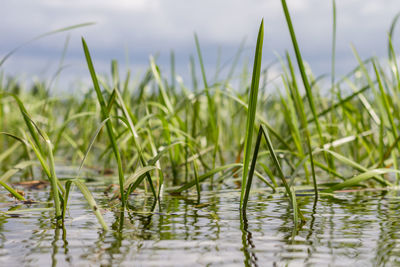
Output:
x=357 y=166
x=138 y=174
x=28 y=122
x=207 y=175
x=161 y=86
x=41 y=36
x=153 y=161
x=91 y=144
x=361 y=178
x=89 y=198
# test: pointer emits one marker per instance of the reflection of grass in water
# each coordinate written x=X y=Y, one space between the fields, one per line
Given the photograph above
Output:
x=163 y=137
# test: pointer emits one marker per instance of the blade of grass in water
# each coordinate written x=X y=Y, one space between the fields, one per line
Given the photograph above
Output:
x=295 y=92
x=385 y=101
x=388 y=114
x=205 y=176
x=360 y=178
x=332 y=117
x=264 y=132
x=105 y=115
x=49 y=167
x=251 y=173
x=137 y=174
x=355 y=165
x=128 y=116
x=89 y=198
x=308 y=91
x=12 y=191
x=251 y=113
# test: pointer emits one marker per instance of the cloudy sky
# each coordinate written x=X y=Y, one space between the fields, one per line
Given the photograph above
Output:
x=131 y=30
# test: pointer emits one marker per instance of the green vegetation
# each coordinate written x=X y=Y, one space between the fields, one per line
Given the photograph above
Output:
x=162 y=137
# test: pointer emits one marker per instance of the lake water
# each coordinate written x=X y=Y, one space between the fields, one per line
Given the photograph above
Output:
x=353 y=228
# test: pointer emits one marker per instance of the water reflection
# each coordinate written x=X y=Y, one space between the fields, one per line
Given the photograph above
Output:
x=250 y=258
x=352 y=228
x=56 y=246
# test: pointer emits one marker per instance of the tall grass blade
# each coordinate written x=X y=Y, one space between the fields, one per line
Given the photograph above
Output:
x=105 y=115
x=136 y=142
x=251 y=172
x=308 y=90
x=251 y=113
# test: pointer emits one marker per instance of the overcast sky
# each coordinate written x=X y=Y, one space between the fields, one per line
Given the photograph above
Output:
x=139 y=28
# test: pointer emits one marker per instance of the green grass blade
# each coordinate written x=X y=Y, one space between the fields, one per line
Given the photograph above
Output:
x=298 y=103
x=28 y=122
x=360 y=178
x=275 y=160
x=385 y=101
x=136 y=142
x=66 y=196
x=156 y=74
x=12 y=191
x=302 y=70
x=207 y=175
x=89 y=198
x=356 y=166
x=251 y=171
x=105 y=115
x=137 y=174
x=251 y=112
x=54 y=181
x=308 y=91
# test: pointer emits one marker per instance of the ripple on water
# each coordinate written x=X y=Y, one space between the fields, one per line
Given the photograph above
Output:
x=355 y=228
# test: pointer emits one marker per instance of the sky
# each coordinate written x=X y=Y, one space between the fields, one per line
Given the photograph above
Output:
x=132 y=30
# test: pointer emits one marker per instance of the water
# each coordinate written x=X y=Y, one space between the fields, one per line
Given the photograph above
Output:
x=354 y=228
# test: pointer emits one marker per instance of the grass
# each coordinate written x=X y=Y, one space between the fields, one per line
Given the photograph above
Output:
x=159 y=135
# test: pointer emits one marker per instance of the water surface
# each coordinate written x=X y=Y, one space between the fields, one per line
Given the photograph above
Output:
x=353 y=228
